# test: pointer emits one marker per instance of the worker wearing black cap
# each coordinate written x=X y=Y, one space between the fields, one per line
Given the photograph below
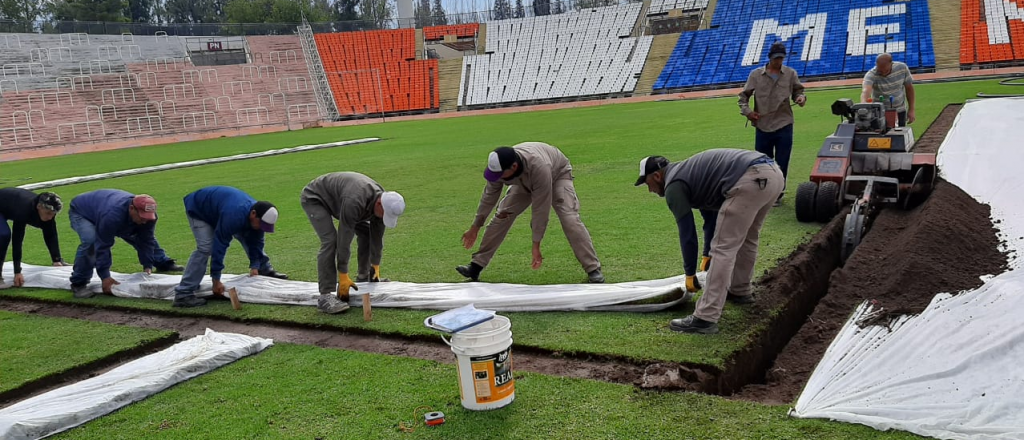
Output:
x=539 y=176
x=772 y=86
x=24 y=207
x=741 y=185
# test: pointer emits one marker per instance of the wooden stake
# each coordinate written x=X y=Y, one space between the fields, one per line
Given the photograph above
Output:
x=235 y=303
x=367 y=312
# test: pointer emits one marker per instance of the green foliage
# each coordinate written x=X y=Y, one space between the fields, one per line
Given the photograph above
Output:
x=89 y=10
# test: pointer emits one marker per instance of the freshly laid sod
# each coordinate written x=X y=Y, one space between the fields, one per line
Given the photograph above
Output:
x=437 y=165
x=33 y=347
x=303 y=392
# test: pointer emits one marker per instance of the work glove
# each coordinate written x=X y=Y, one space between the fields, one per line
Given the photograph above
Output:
x=692 y=285
x=375 y=277
x=705 y=264
x=345 y=283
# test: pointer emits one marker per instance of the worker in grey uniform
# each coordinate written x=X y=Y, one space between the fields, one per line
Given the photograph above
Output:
x=742 y=185
x=363 y=210
x=540 y=177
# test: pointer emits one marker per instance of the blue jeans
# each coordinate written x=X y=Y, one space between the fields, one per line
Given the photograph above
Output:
x=777 y=145
x=195 y=269
x=85 y=257
x=159 y=257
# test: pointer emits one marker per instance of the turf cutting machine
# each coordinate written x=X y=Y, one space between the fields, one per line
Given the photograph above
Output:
x=868 y=161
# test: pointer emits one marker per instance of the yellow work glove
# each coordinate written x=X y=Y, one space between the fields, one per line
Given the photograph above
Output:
x=345 y=283
x=692 y=285
x=376 y=274
x=705 y=264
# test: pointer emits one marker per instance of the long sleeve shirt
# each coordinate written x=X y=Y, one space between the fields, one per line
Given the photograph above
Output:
x=350 y=197
x=107 y=209
x=226 y=209
x=701 y=182
x=542 y=166
x=19 y=206
x=771 y=97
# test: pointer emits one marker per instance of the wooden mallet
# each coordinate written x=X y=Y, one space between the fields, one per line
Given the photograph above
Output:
x=367 y=311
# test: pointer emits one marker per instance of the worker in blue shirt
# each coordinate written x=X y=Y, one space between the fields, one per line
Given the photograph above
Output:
x=101 y=216
x=218 y=214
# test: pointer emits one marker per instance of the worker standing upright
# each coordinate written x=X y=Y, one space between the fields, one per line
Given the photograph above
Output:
x=772 y=87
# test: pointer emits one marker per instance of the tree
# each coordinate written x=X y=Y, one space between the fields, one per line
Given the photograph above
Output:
x=248 y=11
x=377 y=12
x=25 y=11
x=502 y=10
x=89 y=10
x=195 y=11
x=438 y=13
x=139 y=11
x=541 y=7
x=520 y=12
x=344 y=10
x=422 y=14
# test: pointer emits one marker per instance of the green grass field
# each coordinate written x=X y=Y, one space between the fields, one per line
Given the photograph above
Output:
x=33 y=347
x=302 y=392
x=437 y=165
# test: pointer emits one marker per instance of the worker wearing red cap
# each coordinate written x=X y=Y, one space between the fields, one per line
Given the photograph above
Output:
x=540 y=178
x=101 y=216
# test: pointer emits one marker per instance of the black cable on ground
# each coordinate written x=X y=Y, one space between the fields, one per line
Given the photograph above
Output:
x=1006 y=82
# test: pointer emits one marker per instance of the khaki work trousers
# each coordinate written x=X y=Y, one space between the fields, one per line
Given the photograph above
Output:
x=734 y=248
x=566 y=206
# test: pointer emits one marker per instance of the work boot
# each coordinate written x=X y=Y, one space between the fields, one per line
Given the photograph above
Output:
x=595 y=276
x=81 y=291
x=274 y=274
x=778 y=201
x=740 y=300
x=471 y=271
x=188 y=301
x=330 y=304
x=169 y=266
x=3 y=284
x=693 y=324
x=362 y=278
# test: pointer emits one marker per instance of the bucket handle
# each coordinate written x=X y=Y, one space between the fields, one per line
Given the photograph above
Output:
x=446 y=341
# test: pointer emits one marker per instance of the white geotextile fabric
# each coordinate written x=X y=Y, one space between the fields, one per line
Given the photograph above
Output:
x=191 y=163
x=73 y=405
x=954 y=370
x=435 y=296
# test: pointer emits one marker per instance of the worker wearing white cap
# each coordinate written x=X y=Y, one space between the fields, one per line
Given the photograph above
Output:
x=539 y=176
x=363 y=210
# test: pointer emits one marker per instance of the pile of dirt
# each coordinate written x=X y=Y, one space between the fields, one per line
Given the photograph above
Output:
x=944 y=245
x=906 y=258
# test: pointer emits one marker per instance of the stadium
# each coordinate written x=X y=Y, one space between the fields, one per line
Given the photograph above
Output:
x=905 y=333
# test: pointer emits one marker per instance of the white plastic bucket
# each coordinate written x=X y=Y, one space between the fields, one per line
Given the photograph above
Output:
x=483 y=355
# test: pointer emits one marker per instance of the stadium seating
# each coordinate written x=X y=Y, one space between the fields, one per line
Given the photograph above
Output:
x=434 y=33
x=147 y=87
x=825 y=38
x=660 y=6
x=584 y=53
x=997 y=36
x=377 y=72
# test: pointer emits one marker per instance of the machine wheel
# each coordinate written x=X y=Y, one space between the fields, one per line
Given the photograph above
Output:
x=805 y=195
x=826 y=203
x=853 y=231
x=920 y=187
